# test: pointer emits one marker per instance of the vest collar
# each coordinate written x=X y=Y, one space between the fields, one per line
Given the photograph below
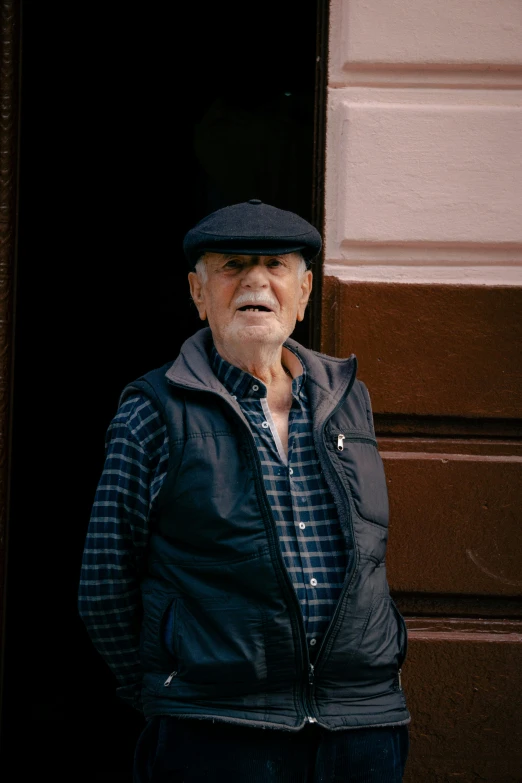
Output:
x=328 y=379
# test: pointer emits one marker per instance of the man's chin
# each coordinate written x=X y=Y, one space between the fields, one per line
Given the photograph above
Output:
x=255 y=334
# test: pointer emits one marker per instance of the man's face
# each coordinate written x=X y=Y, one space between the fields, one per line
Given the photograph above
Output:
x=251 y=299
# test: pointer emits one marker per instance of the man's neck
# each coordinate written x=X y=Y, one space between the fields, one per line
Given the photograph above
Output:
x=263 y=362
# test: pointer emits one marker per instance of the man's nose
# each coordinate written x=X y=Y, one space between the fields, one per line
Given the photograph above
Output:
x=255 y=276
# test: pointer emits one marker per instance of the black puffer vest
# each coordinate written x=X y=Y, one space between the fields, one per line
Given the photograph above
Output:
x=222 y=634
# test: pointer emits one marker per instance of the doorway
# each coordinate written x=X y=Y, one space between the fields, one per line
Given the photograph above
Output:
x=134 y=125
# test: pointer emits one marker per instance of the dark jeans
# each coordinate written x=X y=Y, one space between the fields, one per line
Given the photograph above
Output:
x=172 y=750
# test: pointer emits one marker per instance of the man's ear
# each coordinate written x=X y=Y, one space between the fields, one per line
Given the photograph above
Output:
x=305 y=286
x=196 y=292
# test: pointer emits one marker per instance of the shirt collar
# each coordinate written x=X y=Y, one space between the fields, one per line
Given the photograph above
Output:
x=241 y=384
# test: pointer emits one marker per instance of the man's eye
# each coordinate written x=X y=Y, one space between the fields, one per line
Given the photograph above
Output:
x=232 y=263
x=275 y=262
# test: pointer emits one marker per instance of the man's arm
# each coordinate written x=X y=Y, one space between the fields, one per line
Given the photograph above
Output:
x=115 y=547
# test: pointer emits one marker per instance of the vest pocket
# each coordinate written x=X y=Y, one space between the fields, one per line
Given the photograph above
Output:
x=168 y=627
x=215 y=642
x=403 y=633
x=383 y=643
x=158 y=610
x=363 y=472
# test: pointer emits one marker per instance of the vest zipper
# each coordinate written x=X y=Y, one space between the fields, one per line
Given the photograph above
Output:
x=354 y=439
x=169 y=679
x=310 y=718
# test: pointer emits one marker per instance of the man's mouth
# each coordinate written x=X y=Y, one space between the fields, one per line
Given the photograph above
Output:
x=255 y=309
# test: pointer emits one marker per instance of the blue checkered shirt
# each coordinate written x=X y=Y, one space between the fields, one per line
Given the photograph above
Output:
x=137 y=450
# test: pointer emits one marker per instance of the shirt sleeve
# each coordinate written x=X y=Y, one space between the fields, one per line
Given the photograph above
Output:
x=109 y=599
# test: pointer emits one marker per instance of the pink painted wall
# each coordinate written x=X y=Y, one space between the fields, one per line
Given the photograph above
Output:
x=424 y=140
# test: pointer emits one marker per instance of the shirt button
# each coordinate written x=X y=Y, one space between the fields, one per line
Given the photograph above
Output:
x=302 y=525
x=264 y=425
x=291 y=471
x=313 y=581
x=312 y=642
x=255 y=387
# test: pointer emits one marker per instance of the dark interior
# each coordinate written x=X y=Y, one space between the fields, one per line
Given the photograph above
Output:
x=136 y=121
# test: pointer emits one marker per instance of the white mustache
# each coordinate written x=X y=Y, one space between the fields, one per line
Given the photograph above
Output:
x=256 y=297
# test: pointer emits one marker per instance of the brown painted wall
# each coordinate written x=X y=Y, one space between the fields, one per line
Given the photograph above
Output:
x=443 y=364
x=431 y=350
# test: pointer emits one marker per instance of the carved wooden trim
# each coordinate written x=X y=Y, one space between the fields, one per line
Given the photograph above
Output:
x=9 y=116
x=321 y=83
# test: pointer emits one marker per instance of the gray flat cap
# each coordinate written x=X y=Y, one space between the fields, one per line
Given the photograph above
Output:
x=252 y=228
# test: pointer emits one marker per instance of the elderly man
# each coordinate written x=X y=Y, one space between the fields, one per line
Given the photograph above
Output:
x=233 y=575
